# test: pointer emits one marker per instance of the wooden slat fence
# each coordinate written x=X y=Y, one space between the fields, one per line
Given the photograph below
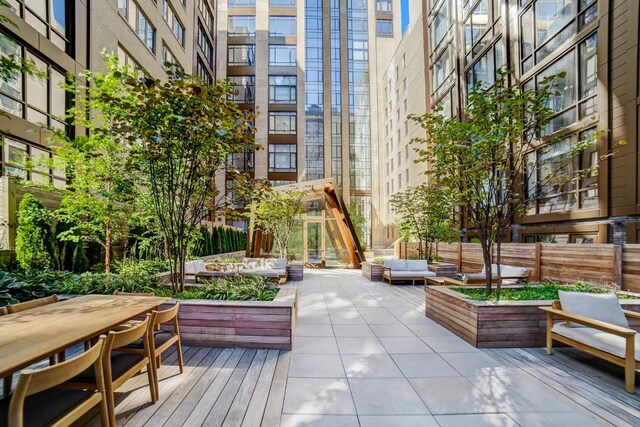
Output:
x=594 y=263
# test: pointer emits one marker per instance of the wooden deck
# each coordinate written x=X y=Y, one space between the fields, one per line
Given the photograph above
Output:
x=219 y=387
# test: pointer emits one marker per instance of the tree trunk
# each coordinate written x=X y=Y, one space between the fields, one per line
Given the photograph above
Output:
x=107 y=249
x=486 y=256
x=498 y=272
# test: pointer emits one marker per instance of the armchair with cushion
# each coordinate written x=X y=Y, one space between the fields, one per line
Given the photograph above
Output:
x=596 y=324
x=406 y=270
x=273 y=268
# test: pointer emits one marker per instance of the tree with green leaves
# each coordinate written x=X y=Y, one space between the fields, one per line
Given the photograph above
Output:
x=276 y=214
x=482 y=161
x=181 y=132
x=425 y=212
x=96 y=203
x=34 y=239
x=358 y=221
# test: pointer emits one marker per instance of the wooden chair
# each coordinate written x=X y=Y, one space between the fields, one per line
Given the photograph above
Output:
x=162 y=339
x=42 y=399
x=120 y=366
x=17 y=308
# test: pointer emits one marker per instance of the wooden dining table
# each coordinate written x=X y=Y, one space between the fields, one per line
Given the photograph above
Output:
x=33 y=335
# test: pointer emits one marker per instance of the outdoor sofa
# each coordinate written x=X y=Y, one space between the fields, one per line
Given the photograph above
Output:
x=273 y=268
x=508 y=273
x=395 y=270
x=596 y=324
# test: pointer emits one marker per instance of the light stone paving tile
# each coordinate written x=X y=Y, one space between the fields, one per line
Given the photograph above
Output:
x=360 y=346
x=430 y=329
x=453 y=396
x=370 y=366
x=386 y=397
x=469 y=364
x=319 y=421
x=520 y=392
x=353 y=331
x=391 y=331
x=557 y=419
x=397 y=421
x=314 y=330
x=450 y=344
x=381 y=319
x=475 y=420
x=380 y=311
x=318 y=396
x=325 y=320
x=315 y=345
x=404 y=345
x=316 y=366
x=424 y=366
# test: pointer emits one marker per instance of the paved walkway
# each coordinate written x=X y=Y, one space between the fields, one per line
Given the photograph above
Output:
x=365 y=356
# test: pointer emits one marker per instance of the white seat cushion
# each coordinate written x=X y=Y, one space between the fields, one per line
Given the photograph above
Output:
x=603 y=307
x=510 y=271
x=199 y=265
x=189 y=268
x=252 y=263
x=417 y=265
x=414 y=273
x=604 y=341
x=259 y=272
x=280 y=263
x=396 y=264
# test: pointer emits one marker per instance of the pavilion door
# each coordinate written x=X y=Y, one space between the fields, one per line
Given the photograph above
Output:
x=314 y=243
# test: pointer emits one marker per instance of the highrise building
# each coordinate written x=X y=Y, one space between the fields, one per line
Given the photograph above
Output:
x=310 y=68
x=596 y=44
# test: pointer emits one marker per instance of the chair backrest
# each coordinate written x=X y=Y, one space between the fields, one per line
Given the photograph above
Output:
x=136 y=294
x=35 y=381
x=396 y=264
x=16 y=308
x=165 y=316
x=119 y=339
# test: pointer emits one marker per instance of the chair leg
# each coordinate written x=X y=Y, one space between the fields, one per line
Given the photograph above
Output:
x=180 y=361
x=62 y=356
x=52 y=360
x=549 y=339
x=630 y=366
x=111 y=405
x=104 y=410
x=152 y=382
x=6 y=386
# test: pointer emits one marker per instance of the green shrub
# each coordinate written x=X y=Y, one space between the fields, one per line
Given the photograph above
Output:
x=13 y=291
x=34 y=239
x=543 y=291
x=378 y=260
x=238 y=289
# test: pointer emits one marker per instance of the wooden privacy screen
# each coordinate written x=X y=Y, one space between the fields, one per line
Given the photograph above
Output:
x=595 y=263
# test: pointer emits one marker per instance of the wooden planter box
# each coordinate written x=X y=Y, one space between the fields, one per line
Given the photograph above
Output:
x=251 y=324
x=372 y=271
x=492 y=324
x=295 y=272
x=442 y=269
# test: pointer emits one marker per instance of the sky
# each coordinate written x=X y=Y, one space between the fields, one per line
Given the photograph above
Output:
x=404 y=9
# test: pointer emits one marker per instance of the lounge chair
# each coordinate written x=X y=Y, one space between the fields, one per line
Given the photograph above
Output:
x=273 y=268
x=510 y=275
x=596 y=324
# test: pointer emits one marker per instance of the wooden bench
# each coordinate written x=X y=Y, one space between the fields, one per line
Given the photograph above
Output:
x=621 y=339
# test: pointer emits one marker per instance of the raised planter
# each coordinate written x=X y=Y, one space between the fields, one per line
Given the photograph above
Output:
x=372 y=271
x=252 y=324
x=442 y=269
x=295 y=272
x=493 y=324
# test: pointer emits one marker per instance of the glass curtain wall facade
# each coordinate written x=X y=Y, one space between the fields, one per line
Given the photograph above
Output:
x=314 y=107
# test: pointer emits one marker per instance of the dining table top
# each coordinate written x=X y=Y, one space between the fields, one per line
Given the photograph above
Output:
x=35 y=334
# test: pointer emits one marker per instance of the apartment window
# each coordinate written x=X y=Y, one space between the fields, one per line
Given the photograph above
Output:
x=204 y=44
x=406 y=176
x=37 y=100
x=404 y=84
x=404 y=62
x=282 y=55
x=282 y=26
x=245 y=89
x=206 y=15
x=547 y=24
x=243 y=162
x=479 y=26
x=169 y=61
x=30 y=163
x=405 y=106
x=202 y=70
x=560 y=180
x=384 y=27
x=577 y=90
x=146 y=31
x=125 y=59
x=242 y=3
x=440 y=25
x=282 y=123
x=282 y=157
x=406 y=128
x=243 y=26
x=282 y=3
x=170 y=18
x=485 y=69
x=384 y=6
x=282 y=89
x=442 y=69
x=241 y=54
x=406 y=157
x=48 y=17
